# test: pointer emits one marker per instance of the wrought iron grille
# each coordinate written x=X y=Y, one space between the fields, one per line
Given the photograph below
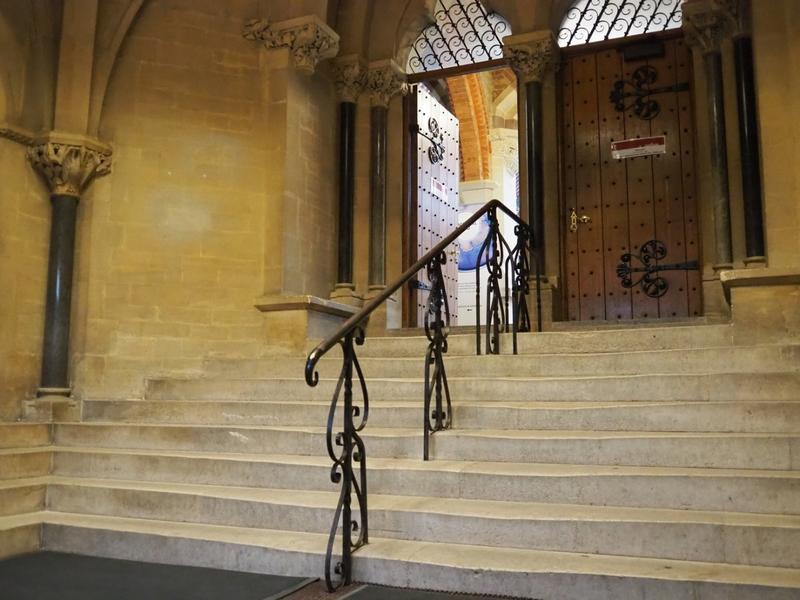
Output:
x=590 y=21
x=463 y=32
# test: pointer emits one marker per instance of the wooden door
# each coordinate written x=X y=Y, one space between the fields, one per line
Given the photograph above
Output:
x=621 y=204
x=437 y=179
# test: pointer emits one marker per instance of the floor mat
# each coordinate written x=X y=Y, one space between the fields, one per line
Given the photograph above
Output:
x=56 y=576
x=375 y=592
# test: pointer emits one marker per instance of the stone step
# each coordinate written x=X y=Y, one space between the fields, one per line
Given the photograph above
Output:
x=762 y=416
x=671 y=387
x=763 y=491
x=550 y=342
x=442 y=566
x=24 y=462
x=752 y=359
x=20 y=534
x=735 y=538
x=24 y=435
x=22 y=496
x=666 y=449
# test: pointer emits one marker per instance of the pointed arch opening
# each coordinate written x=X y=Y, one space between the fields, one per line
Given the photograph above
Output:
x=463 y=32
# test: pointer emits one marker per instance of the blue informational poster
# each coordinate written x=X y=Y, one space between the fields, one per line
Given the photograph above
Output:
x=469 y=245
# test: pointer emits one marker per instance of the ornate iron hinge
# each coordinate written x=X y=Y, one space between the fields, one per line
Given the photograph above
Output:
x=653 y=285
x=639 y=88
x=435 y=137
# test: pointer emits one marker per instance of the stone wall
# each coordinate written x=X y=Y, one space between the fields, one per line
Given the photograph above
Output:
x=24 y=232
x=777 y=55
x=171 y=244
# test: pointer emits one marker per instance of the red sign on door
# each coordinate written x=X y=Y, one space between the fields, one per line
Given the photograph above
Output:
x=639 y=147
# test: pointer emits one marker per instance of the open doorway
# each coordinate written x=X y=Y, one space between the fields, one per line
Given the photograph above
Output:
x=463 y=151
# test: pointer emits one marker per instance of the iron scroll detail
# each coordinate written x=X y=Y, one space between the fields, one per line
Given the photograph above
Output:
x=436 y=138
x=437 y=327
x=346 y=448
x=639 y=87
x=652 y=284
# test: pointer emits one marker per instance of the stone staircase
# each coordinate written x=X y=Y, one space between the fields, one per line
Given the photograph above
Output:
x=642 y=462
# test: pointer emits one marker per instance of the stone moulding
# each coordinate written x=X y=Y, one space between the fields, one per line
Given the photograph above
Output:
x=16 y=134
x=68 y=164
x=308 y=39
x=304 y=303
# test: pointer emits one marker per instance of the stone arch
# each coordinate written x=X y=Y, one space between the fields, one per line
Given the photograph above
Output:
x=469 y=105
x=113 y=25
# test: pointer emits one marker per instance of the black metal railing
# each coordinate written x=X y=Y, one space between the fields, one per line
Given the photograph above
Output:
x=506 y=306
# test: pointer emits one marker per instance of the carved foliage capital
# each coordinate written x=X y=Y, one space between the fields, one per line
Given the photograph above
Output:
x=67 y=168
x=707 y=23
x=532 y=58
x=384 y=81
x=308 y=39
x=349 y=77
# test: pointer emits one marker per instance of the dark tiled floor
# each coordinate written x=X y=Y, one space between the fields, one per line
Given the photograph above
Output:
x=55 y=576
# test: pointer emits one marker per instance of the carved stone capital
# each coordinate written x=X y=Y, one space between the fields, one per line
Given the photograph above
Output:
x=706 y=23
x=308 y=39
x=385 y=79
x=531 y=54
x=69 y=164
x=738 y=15
x=349 y=77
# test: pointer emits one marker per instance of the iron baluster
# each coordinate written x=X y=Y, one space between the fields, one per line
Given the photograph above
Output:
x=346 y=447
x=437 y=327
x=520 y=273
x=494 y=248
x=653 y=285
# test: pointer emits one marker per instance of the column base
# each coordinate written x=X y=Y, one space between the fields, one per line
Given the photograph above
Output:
x=382 y=318
x=345 y=293
x=48 y=408
x=53 y=391
x=547 y=293
x=294 y=324
x=722 y=267
x=755 y=262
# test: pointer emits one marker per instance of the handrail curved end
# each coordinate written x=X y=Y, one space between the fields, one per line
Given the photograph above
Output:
x=312 y=377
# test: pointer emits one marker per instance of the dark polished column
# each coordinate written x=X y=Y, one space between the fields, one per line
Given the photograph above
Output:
x=705 y=24
x=531 y=56
x=377 y=217
x=750 y=148
x=720 y=194
x=347 y=137
x=384 y=80
x=349 y=81
x=67 y=168
x=535 y=163
x=55 y=351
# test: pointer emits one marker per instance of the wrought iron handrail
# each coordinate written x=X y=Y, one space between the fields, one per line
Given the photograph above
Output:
x=346 y=447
